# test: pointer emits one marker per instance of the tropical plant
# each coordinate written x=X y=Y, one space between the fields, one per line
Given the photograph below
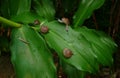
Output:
x=41 y=30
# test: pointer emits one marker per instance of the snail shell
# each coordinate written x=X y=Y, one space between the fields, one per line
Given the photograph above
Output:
x=67 y=53
x=36 y=22
x=65 y=20
x=44 y=29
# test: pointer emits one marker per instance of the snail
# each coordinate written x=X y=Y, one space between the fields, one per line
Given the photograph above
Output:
x=67 y=53
x=65 y=21
x=36 y=22
x=44 y=29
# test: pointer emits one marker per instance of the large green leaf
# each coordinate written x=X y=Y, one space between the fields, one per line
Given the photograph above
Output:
x=44 y=8
x=86 y=7
x=30 y=56
x=87 y=53
x=103 y=46
x=90 y=48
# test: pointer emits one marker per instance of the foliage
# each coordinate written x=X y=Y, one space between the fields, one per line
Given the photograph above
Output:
x=30 y=56
x=30 y=46
x=44 y=8
x=85 y=10
x=12 y=7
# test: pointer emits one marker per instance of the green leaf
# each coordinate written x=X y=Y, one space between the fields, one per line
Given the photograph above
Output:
x=87 y=53
x=44 y=8
x=58 y=38
x=27 y=18
x=86 y=7
x=10 y=8
x=30 y=56
x=72 y=72
x=19 y=6
x=103 y=46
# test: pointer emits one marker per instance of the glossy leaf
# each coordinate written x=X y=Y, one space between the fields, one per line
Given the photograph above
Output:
x=90 y=48
x=87 y=53
x=102 y=45
x=44 y=8
x=86 y=7
x=30 y=56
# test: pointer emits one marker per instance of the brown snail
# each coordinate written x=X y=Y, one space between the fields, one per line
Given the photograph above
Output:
x=67 y=53
x=44 y=29
x=36 y=22
x=66 y=21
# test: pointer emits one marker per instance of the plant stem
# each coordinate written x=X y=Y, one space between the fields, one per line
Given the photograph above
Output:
x=9 y=22
x=95 y=21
